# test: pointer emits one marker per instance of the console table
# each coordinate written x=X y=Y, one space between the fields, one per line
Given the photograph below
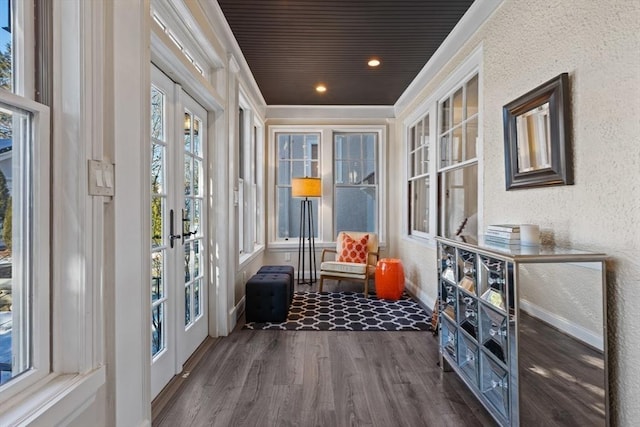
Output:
x=499 y=337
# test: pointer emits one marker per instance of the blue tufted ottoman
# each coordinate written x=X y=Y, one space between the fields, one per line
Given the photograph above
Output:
x=282 y=269
x=267 y=297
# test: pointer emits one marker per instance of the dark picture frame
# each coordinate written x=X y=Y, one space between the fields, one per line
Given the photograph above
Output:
x=537 y=137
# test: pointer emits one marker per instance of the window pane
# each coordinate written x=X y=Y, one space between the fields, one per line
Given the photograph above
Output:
x=157 y=213
x=157 y=275
x=460 y=194
x=284 y=172
x=471 y=138
x=425 y=159
x=284 y=152
x=188 y=125
x=196 y=299
x=157 y=168
x=412 y=149
x=424 y=143
x=157 y=329
x=446 y=151
x=15 y=242
x=472 y=97
x=445 y=119
x=157 y=114
x=354 y=146
x=355 y=209
x=457 y=107
x=187 y=175
x=197 y=258
x=196 y=218
x=340 y=152
x=420 y=200
x=341 y=171
x=413 y=164
x=298 y=169
x=297 y=147
x=369 y=173
x=418 y=134
x=197 y=137
x=457 y=146
x=187 y=305
x=197 y=177
x=188 y=263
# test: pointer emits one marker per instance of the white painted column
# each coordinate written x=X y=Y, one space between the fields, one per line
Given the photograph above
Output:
x=129 y=303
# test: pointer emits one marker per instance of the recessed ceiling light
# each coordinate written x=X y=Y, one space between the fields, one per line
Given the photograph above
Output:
x=321 y=88
x=373 y=62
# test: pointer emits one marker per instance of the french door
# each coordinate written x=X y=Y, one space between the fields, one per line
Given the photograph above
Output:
x=179 y=304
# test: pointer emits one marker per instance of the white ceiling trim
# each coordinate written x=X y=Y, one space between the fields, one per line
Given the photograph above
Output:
x=330 y=112
x=218 y=22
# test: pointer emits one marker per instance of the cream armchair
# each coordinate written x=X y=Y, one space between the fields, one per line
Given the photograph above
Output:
x=338 y=269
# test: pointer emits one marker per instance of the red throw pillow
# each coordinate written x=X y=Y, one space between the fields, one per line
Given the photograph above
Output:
x=354 y=250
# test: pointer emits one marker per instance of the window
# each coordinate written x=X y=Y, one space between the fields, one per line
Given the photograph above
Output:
x=242 y=223
x=356 y=185
x=158 y=212
x=249 y=181
x=458 y=166
x=256 y=184
x=419 y=176
x=442 y=150
x=24 y=217
x=347 y=160
x=297 y=156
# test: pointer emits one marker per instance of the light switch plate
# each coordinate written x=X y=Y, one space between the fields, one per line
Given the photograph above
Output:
x=101 y=178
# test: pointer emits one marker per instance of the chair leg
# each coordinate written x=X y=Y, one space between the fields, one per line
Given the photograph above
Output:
x=366 y=287
x=320 y=286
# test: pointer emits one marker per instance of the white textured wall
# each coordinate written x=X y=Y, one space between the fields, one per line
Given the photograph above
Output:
x=525 y=43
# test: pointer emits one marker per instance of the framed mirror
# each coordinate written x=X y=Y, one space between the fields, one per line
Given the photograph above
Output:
x=536 y=137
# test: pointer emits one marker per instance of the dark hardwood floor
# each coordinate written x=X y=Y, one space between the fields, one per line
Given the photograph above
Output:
x=312 y=378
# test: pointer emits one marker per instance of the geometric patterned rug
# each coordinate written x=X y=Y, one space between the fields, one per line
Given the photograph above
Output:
x=350 y=311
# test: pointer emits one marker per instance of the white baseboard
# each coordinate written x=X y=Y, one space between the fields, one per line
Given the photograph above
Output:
x=423 y=299
x=235 y=313
x=564 y=325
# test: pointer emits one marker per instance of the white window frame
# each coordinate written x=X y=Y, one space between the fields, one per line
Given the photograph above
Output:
x=250 y=186
x=326 y=230
x=431 y=112
x=470 y=66
x=38 y=277
x=347 y=184
x=276 y=186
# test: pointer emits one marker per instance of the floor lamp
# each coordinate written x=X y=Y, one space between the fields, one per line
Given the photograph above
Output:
x=306 y=187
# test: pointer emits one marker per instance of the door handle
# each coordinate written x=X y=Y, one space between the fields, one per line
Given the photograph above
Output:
x=187 y=233
x=172 y=236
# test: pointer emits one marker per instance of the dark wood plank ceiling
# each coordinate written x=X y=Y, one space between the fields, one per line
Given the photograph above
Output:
x=292 y=45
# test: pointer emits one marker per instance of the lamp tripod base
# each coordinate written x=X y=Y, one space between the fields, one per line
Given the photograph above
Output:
x=306 y=244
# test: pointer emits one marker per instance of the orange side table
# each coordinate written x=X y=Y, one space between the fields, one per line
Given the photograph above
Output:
x=389 y=279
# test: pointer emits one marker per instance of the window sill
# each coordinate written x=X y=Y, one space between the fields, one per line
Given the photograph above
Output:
x=292 y=244
x=247 y=258
x=54 y=400
x=427 y=242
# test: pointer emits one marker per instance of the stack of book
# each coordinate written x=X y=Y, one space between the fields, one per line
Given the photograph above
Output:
x=503 y=234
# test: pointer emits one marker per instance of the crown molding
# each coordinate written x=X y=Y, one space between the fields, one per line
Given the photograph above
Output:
x=330 y=112
x=219 y=23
